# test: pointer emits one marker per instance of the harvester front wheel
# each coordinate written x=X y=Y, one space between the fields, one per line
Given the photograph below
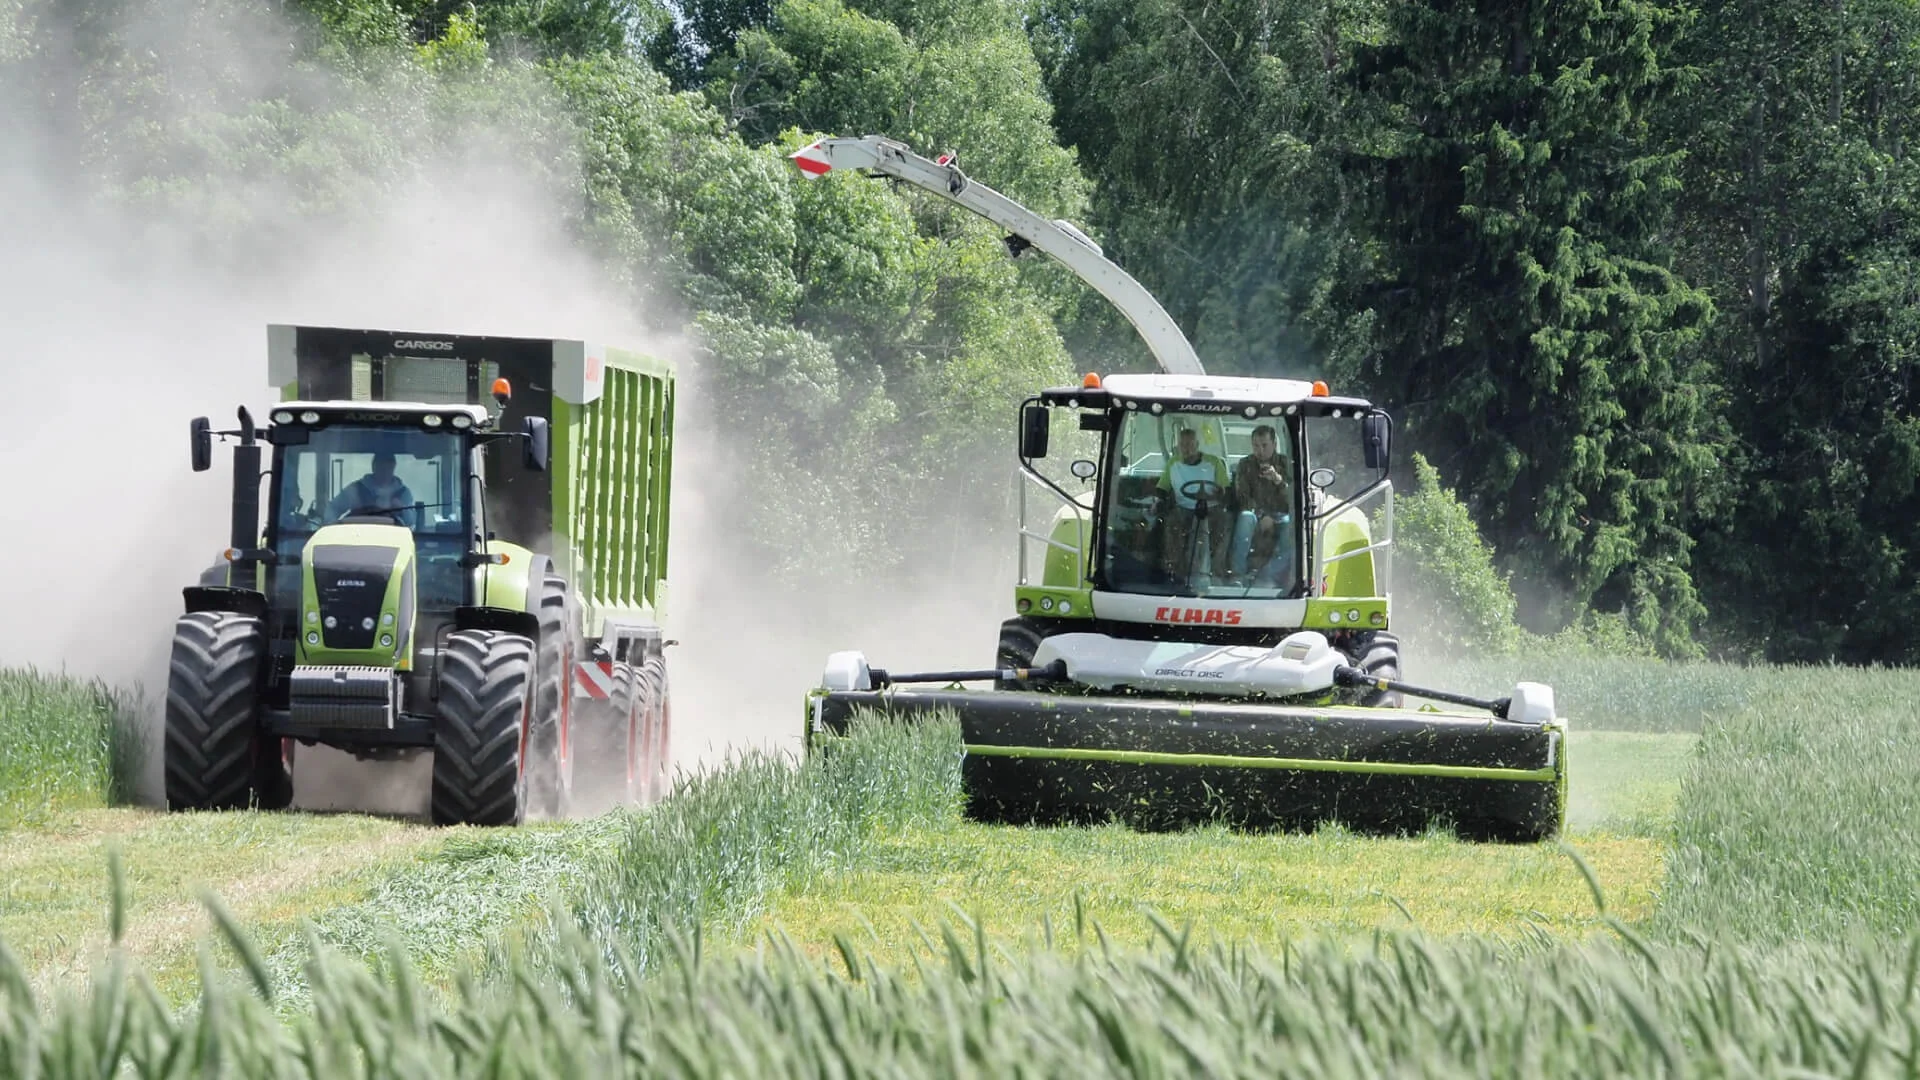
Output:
x=217 y=758
x=480 y=745
x=1378 y=654
x=1020 y=639
x=550 y=747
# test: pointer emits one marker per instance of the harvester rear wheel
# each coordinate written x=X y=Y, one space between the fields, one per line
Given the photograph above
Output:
x=550 y=745
x=480 y=745
x=1378 y=654
x=1020 y=638
x=217 y=758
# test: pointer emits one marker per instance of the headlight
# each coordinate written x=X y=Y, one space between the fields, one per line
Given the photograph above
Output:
x=1066 y=607
x=283 y=417
x=1252 y=411
x=387 y=619
x=1046 y=603
x=1333 y=616
x=366 y=623
x=462 y=421
x=1353 y=614
x=313 y=638
x=386 y=641
x=313 y=616
x=309 y=417
x=331 y=622
x=433 y=419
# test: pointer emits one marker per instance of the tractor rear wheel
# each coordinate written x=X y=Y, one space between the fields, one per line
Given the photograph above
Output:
x=480 y=744
x=1378 y=654
x=550 y=749
x=217 y=758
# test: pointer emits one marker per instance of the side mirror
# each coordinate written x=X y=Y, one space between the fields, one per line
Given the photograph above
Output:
x=1083 y=469
x=537 y=447
x=1320 y=478
x=1373 y=439
x=202 y=444
x=1035 y=425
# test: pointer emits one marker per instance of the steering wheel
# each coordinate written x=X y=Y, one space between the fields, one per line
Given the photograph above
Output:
x=1202 y=489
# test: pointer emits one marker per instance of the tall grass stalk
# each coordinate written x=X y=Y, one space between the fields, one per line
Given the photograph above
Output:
x=1406 y=1006
x=65 y=743
x=707 y=858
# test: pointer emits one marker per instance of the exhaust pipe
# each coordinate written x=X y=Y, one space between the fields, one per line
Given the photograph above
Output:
x=246 y=503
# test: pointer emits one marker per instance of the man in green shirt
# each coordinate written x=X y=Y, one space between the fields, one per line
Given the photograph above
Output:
x=1193 y=500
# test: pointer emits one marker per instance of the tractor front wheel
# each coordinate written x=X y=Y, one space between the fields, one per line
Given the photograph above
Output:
x=480 y=745
x=217 y=758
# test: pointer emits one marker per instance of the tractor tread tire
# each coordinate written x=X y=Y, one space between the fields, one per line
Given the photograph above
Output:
x=479 y=774
x=1020 y=638
x=603 y=738
x=655 y=767
x=551 y=787
x=212 y=728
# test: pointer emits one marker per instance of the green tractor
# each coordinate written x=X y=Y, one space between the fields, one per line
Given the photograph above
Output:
x=413 y=588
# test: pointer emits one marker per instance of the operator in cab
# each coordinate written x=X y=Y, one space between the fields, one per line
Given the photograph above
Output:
x=1263 y=497
x=1193 y=494
x=379 y=490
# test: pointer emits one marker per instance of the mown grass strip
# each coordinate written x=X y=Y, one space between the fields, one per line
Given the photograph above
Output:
x=1258 y=889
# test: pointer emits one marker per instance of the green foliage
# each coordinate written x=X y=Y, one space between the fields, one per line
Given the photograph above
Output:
x=65 y=744
x=1800 y=182
x=1523 y=287
x=1458 y=602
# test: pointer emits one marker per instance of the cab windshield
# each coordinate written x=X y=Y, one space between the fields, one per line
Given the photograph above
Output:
x=400 y=474
x=1202 y=505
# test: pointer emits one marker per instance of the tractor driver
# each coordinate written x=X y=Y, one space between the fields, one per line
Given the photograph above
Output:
x=1193 y=496
x=380 y=489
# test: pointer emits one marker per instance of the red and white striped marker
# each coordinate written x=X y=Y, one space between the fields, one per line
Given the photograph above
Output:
x=596 y=680
x=811 y=161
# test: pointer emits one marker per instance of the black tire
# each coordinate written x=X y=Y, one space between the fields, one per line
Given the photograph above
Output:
x=1378 y=654
x=217 y=758
x=1020 y=638
x=604 y=738
x=479 y=759
x=654 y=765
x=549 y=744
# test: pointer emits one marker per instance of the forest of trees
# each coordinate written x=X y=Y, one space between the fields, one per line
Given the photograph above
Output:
x=1637 y=277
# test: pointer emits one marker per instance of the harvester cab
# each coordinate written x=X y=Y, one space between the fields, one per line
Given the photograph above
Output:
x=394 y=598
x=1207 y=632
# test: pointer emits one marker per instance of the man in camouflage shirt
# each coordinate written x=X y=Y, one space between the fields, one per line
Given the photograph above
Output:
x=1261 y=490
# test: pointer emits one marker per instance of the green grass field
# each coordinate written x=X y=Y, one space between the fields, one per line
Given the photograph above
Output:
x=842 y=919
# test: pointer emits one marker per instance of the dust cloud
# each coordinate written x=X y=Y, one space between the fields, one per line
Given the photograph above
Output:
x=123 y=324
